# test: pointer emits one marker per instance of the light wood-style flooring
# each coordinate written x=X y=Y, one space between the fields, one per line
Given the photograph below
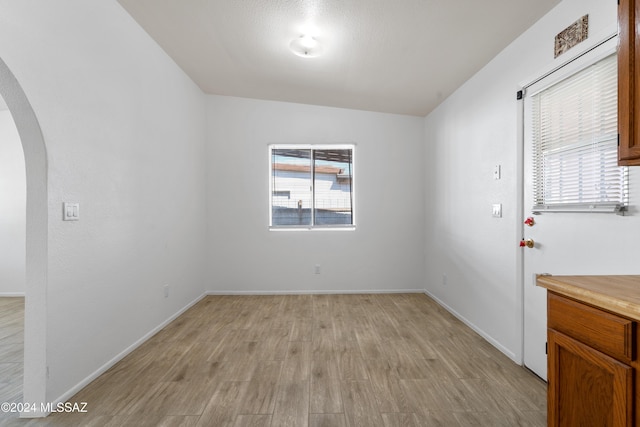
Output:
x=312 y=360
x=11 y=351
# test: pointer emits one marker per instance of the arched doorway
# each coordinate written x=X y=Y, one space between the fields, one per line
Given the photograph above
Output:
x=12 y=261
x=35 y=155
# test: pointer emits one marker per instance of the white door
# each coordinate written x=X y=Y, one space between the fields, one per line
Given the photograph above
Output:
x=537 y=260
x=564 y=242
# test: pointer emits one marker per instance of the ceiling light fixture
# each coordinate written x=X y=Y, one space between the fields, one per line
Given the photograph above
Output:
x=306 y=46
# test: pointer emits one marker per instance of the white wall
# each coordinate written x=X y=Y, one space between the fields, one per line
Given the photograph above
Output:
x=385 y=252
x=124 y=130
x=12 y=208
x=475 y=129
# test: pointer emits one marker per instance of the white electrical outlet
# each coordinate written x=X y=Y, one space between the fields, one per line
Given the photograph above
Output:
x=166 y=291
x=444 y=280
x=317 y=269
x=496 y=172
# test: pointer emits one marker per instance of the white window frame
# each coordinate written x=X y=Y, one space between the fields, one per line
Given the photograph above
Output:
x=313 y=227
x=582 y=62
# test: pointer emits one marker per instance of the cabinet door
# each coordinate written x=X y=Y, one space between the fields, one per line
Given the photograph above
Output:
x=628 y=83
x=587 y=387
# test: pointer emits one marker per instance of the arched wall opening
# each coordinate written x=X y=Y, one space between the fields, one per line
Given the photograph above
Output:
x=35 y=156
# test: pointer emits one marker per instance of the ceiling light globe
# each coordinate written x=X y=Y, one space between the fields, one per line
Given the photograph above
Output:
x=306 y=46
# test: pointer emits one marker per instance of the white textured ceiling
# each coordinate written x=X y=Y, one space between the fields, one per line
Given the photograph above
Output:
x=402 y=56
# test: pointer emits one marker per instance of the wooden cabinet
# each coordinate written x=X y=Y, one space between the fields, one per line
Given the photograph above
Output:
x=628 y=83
x=589 y=388
x=591 y=374
x=593 y=350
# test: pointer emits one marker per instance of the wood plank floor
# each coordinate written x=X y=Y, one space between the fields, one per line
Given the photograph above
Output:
x=11 y=351
x=312 y=360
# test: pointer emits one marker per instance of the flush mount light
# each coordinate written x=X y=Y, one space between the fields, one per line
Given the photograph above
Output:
x=305 y=46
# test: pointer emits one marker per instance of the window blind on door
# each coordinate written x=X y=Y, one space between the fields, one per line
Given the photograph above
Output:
x=575 y=143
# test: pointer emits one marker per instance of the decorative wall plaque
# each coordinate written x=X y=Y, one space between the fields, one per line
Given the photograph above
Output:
x=571 y=36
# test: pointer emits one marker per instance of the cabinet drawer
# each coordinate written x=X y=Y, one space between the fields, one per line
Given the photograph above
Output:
x=611 y=334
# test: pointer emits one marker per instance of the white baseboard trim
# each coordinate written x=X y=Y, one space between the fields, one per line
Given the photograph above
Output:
x=66 y=396
x=11 y=294
x=511 y=355
x=319 y=292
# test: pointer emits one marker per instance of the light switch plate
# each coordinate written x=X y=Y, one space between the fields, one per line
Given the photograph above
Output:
x=70 y=211
x=496 y=172
x=497 y=210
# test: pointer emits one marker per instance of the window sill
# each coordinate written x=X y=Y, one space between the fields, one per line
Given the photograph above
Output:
x=577 y=208
x=348 y=228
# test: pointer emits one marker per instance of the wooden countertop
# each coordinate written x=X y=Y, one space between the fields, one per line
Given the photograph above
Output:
x=618 y=294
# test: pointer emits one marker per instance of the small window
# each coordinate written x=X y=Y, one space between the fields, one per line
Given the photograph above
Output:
x=574 y=125
x=311 y=186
